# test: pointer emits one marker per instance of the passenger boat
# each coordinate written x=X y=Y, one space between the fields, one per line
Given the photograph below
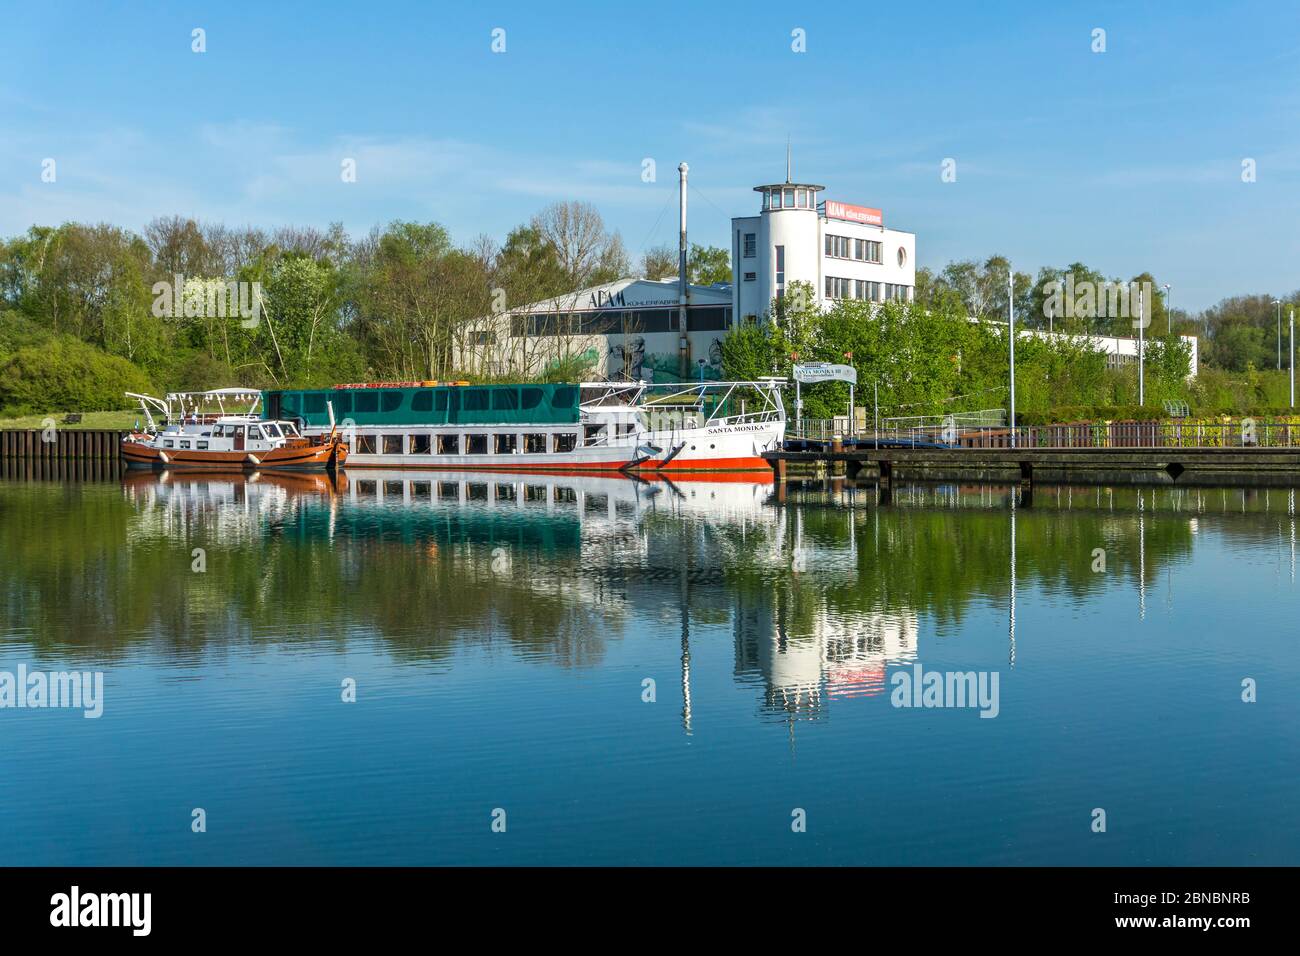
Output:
x=198 y=432
x=594 y=426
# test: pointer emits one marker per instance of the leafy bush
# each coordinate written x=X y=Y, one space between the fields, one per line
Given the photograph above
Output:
x=67 y=375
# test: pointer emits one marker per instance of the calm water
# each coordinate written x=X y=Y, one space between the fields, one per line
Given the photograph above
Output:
x=501 y=632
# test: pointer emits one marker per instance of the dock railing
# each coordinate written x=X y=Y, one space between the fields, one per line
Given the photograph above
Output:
x=1236 y=433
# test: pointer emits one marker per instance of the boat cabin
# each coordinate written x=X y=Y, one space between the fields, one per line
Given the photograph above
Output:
x=230 y=434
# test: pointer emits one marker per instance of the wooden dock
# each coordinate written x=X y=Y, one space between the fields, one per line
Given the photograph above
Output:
x=62 y=444
x=1127 y=465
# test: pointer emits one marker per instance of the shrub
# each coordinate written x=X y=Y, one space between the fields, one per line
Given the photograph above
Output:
x=67 y=375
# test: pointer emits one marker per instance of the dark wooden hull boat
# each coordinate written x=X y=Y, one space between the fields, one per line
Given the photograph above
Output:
x=301 y=455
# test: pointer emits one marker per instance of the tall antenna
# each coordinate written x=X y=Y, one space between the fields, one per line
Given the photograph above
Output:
x=787 y=159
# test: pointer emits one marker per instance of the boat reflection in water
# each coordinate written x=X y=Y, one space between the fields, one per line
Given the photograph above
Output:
x=611 y=549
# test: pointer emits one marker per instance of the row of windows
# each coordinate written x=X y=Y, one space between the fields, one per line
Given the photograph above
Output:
x=844 y=247
x=472 y=444
x=790 y=198
x=611 y=322
x=481 y=443
x=837 y=288
x=483 y=491
x=852 y=289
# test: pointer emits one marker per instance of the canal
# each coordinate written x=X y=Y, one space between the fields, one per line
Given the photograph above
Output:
x=395 y=667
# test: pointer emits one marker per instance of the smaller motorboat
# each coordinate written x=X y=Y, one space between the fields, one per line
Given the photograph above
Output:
x=198 y=432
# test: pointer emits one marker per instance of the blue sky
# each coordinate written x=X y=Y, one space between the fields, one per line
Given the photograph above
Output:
x=1125 y=160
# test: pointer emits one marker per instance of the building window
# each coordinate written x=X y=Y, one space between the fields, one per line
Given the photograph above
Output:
x=868 y=291
x=751 y=276
x=780 y=267
x=838 y=288
x=902 y=256
x=788 y=202
x=751 y=245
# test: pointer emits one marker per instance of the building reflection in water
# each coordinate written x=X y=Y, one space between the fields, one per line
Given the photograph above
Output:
x=812 y=619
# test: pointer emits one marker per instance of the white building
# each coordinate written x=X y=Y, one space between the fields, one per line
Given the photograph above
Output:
x=842 y=250
x=624 y=329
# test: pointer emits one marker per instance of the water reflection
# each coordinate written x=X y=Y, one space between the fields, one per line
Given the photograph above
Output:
x=823 y=586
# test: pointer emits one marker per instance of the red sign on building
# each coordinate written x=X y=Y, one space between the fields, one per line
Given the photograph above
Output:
x=850 y=213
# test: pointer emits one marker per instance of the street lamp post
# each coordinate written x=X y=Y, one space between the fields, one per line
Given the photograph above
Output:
x=1142 y=389
x=1292 y=347
x=1278 y=303
x=798 y=397
x=1011 y=334
x=853 y=418
x=1169 y=313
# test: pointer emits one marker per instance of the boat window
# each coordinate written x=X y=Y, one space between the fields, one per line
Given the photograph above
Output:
x=218 y=431
x=254 y=433
x=203 y=446
x=366 y=402
x=506 y=444
x=564 y=397
x=591 y=434
x=421 y=444
x=440 y=402
x=185 y=444
x=504 y=399
x=391 y=400
x=392 y=444
x=476 y=444
x=530 y=397
x=169 y=443
x=363 y=445
x=566 y=441
x=342 y=402
x=476 y=399
x=422 y=402
x=313 y=403
x=272 y=430
x=535 y=444
x=290 y=429
x=448 y=444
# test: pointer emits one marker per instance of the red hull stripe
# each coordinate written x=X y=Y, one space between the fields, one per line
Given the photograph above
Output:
x=695 y=464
